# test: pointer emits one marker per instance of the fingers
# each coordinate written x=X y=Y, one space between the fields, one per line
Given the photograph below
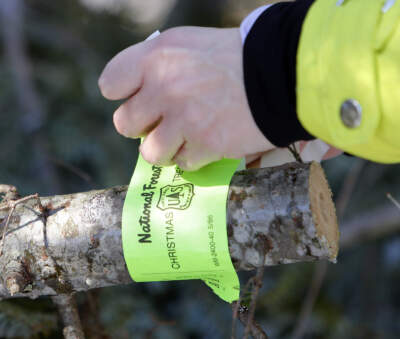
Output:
x=191 y=157
x=332 y=153
x=138 y=115
x=163 y=142
x=123 y=75
x=195 y=77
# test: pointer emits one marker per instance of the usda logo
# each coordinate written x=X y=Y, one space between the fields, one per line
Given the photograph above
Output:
x=176 y=197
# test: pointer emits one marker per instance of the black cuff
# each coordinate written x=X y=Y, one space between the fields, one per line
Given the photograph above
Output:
x=269 y=64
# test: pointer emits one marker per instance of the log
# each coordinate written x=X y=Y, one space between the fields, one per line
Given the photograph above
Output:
x=73 y=242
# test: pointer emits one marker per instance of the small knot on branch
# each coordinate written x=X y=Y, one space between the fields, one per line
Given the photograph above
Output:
x=17 y=279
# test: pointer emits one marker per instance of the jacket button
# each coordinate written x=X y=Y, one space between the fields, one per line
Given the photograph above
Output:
x=350 y=113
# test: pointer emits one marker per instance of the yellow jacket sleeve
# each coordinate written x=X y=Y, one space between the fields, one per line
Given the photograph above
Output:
x=348 y=76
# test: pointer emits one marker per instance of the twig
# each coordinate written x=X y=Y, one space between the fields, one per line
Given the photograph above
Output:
x=292 y=149
x=12 y=205
x=321 y=268
x=235 y=310
x=348 y=187
x=245 y=314
x=257 y=283
x=242 y=313
x=393 y=200
x=9 y=192
x=73 y=169
x=68 y=310
x=4 y=188
x=238 y=307
x=370 y=226
x=66 y=303
x=256 y=330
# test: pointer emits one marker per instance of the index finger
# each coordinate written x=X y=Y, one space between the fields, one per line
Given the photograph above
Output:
x=123 y=75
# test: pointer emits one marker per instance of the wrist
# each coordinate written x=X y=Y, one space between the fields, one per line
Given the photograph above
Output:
x=269 y=68
x=249 y=21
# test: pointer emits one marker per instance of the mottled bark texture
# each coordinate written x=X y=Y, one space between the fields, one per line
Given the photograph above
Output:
x=68 y=310
x=73 y=243
x=281 y=215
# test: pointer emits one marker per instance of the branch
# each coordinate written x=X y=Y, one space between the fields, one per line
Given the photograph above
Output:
x=393 y=200
x=321 y=269
x=371 y=225
x=73 y=243
x=250 y=324
x=242 y=313
x=68 y=310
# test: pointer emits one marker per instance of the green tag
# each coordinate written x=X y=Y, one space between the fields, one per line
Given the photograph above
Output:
x=174 y=225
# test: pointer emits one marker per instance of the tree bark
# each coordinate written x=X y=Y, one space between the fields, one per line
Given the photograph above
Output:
x=73 y=242
x=68 y=310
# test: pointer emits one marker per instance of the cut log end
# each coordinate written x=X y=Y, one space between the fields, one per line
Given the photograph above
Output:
x=281 y=214
x=323 y=209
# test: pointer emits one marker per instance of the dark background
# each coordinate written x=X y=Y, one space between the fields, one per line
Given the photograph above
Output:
x=57 y=137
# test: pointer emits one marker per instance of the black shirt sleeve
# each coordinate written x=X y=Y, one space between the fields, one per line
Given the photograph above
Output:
x=269 y=64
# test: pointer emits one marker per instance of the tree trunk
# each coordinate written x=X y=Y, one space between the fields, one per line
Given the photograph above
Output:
x=73 y=242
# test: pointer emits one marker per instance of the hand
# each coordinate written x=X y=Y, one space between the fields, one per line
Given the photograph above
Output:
x=185 y=94
x=313 y=150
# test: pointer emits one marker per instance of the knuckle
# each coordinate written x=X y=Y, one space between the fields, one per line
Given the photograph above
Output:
x=171 y=35
x=159 y=65
x=164 y=45
x=158 y=50
x=166 y=60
